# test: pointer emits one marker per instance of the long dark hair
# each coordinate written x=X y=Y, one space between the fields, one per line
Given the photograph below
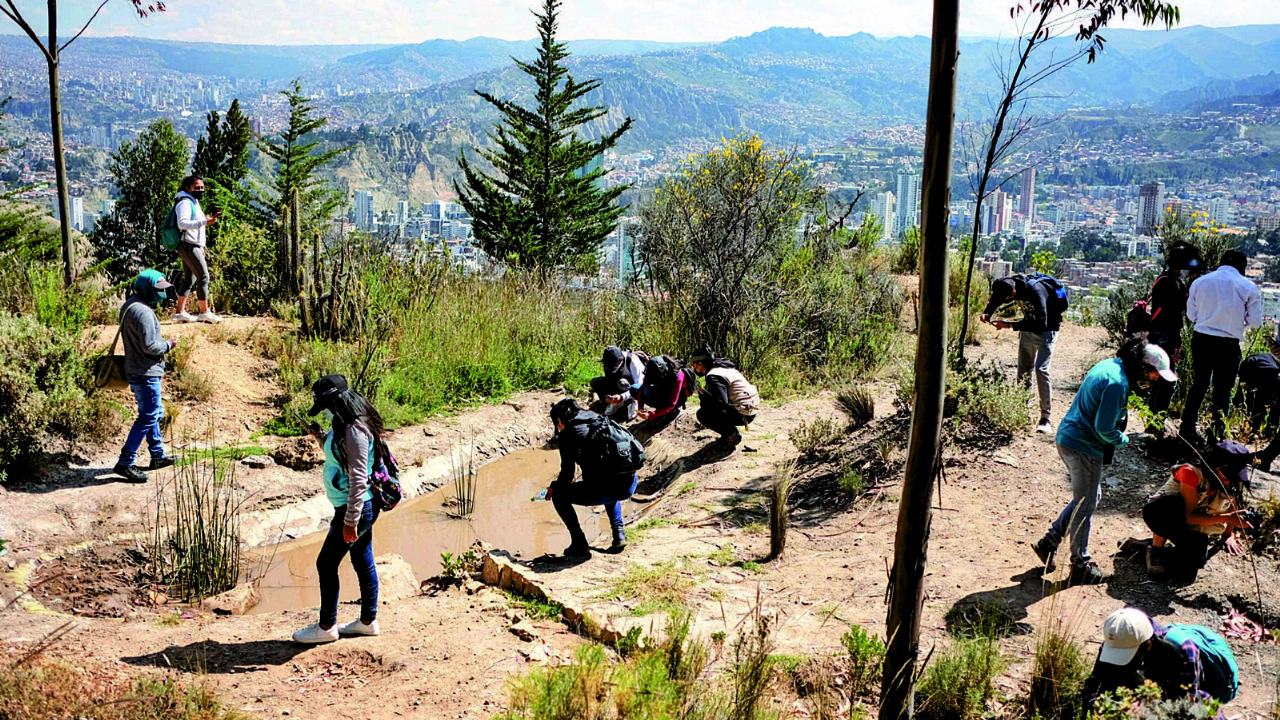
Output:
x=348 y=407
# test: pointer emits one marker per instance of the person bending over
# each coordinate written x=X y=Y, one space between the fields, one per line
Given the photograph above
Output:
x=1182 y=660
x=620 y=385
x=1088 y=432
x=607 y=477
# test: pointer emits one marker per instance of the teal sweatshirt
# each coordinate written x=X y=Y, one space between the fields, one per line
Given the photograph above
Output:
x=1103 y=398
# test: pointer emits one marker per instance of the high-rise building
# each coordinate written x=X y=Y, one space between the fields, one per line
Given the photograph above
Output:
x=364 y=209
x=1150 y=208
x=883 y=208
x=999 y=212
x=77 y=213
x=402 y=212
x=1027 y=200
x=908 y=201
x=1220 y=211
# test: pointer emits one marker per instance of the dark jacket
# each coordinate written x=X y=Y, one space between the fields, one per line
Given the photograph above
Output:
x=1259 y=371
x=1176 y=669
x=1036 y=318
x=572 y=443
x=1168 y=305
x=716 y=395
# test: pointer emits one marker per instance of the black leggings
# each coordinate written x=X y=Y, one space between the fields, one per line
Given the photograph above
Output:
x=195 y=271
x=1167 y=517
x=723 y=420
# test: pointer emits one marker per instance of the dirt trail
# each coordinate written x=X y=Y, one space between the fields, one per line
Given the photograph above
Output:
x=447 y=655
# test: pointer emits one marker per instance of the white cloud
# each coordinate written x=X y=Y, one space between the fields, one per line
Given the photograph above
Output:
x=405 y=21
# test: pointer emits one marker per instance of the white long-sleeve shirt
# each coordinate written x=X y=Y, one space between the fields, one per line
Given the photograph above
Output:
x=191 y=219
x=1224 y=303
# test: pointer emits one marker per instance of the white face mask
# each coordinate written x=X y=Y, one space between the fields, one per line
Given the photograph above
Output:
x=328 y=416
x=1186 y=275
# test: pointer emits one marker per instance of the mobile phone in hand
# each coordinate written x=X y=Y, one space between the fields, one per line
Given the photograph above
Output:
x=311 y=426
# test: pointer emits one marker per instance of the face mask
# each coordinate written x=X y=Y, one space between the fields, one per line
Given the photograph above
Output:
x=1186 y=275
x=197 y=194
x=328 y=416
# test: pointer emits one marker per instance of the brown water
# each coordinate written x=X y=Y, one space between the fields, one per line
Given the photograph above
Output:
x=420 y=529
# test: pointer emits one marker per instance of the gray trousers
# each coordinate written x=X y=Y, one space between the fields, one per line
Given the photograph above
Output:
x=1076 y=519
x=195 y=271
x=1035 y=350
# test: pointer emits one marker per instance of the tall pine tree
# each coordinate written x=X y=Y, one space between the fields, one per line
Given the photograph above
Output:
x=543 y=208
x=297 y=160
x=222 y=159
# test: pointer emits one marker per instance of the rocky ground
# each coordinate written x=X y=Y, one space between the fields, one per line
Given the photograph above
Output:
x=697 y=534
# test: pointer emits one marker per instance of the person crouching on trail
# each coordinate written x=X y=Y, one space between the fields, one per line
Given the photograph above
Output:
x=349 y=460
x=144 y=351
x=728 y=401
x=1087 y=435
x=1197 y=505
x=608 y=477
x=619 y=387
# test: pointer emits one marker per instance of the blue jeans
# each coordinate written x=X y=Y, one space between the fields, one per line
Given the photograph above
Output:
x=609 y=493
x=331 y=554
x=146 y=390
x=1076 y=519
x=1035 y=350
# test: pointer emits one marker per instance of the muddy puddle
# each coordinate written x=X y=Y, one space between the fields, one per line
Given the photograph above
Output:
x=419 y=530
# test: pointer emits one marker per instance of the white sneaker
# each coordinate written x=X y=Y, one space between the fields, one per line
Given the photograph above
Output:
x=184 y=317
x=1045 y=427
x=208 y=317
x=356 y=627
x=314 y=634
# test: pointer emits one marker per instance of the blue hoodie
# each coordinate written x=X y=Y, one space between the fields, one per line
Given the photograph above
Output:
x=144 y=347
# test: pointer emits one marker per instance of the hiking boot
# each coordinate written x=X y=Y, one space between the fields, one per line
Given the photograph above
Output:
x=578 y=550
x=131 y=473
x=1087 y=574
x=1045 y=551
x=1155 y=561
x=359 y=627
x=619 y=541
x=160 y=463
x=314 y=635
x=208 y=317
x=184 y=317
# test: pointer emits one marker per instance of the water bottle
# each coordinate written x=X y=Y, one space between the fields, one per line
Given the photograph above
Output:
x=540 y=497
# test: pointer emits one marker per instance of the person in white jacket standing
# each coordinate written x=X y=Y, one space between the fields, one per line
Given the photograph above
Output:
x=192 y=222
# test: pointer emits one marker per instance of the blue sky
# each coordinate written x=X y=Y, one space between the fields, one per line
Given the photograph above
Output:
x=298 y=22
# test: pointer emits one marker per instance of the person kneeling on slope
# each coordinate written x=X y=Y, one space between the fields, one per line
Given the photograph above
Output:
x=1195 y=506
x=609 y=457
x=728 y=401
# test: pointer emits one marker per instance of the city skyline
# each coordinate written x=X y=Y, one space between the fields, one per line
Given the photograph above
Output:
x=344 y=22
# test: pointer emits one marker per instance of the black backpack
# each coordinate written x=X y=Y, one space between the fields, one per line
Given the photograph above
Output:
x=610 y=449
x=660 y=374
x=1058 y=300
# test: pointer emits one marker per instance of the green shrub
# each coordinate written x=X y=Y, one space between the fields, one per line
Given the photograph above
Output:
x=851 y=481
x=814 y=435
x=906 y=257
x=43 y=379
x=960 y=680
x=242 y=270
x=866 y=660
x=984 y=396
x=1147 y=703
x=568 y=692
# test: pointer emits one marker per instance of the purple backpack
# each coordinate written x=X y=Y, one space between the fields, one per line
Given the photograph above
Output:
x=385 y=479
